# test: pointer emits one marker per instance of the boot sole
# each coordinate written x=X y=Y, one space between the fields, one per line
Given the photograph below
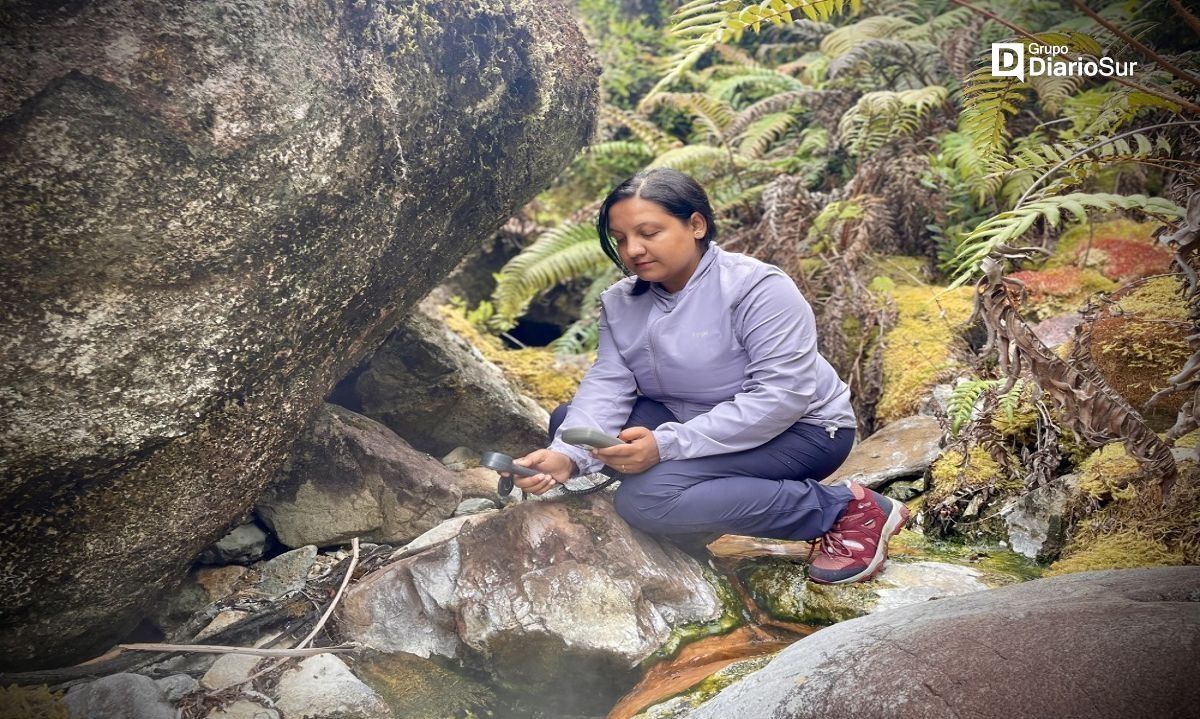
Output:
x=895 y=522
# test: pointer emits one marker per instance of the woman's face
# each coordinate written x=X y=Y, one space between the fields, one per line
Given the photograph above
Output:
x=657 y=246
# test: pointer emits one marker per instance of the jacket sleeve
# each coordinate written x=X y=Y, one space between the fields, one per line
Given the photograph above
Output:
x=603 y=401
x=776 y=326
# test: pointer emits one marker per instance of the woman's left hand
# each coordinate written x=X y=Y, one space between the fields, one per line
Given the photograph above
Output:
x=639 y=453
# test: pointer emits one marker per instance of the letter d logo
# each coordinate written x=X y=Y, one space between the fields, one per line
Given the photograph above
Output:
x=1008 y=60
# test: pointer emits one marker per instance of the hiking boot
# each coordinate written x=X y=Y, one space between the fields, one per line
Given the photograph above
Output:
x=856 y=547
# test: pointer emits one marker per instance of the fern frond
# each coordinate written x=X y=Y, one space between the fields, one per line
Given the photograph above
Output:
x=644 y=130
x=700 y=26
x=1007 y=227
x=583 y=335
x=883 y=116
x=699 y=161
x=962 y=402
x=767 y=80
x=939 y=28
x=621 y=150
x=1053 y=91
x=769 y=106
x=844 y=39
x=763 y=133
x=713 y=114
x=988 y=102
x=920 y=57
x=567 y=251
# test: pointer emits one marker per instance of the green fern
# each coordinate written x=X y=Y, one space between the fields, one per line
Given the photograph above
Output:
x=642 y=128
x=1006 y=228
x=584 y=334
x=567 y=251
x=700 y=25
x=844 y=39
x=988 y=102
x=712 y=114
x=702 y=162
x=883 y=116
x=765 y=132
x=963 y=400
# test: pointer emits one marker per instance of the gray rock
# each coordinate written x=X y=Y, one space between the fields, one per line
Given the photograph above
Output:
x=904 y=448
x=434 y=389
x=461 y=458
x=210 y=216
x=244 y=709
x=245 y=543
x=474 y=506
x=228 y=670
x=350 y=476
x=287 y=572
x=1118 y=643
x=177 y=686
x=119 y=696
x=1036 y=522
x=323 y=687
x=1054 y=331
x=540 y=591
x=938 y=400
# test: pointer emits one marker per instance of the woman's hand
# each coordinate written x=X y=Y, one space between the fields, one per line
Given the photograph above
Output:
x=639 y=453
x=555 y=468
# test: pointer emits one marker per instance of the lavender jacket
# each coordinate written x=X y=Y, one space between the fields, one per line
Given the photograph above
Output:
x=733 y=355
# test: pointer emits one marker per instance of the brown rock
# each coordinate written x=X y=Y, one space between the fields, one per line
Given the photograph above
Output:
x=903 y=448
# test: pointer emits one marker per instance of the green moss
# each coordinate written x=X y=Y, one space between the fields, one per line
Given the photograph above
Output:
x=1019 y=422
x=902 y=269
x=545 y=378
x=1119 y=551
x=1189 y=440
x=681 y=636
x=1159 y=299
x=919 y=350
x=781 y=588
x=1107 y=473
x=950 y=474
x=999 y=564
x=32 y=703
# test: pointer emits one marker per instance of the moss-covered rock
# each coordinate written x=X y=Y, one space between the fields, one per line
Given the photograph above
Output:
x=418 y=688
x=1121 y=250
x=1122 y=521
x=919 y=351
x=1056 y=290
x=679 y=706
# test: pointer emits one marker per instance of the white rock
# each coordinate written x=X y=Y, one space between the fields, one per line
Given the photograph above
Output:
x=323 y=687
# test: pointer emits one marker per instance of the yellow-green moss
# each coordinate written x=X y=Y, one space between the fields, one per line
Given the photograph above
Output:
x=1021 y=422
x=1158 y=299
x=1189 y=440
x=919 y=350
x=32 y=703
x=950 y=475
x=1108 y=473
x=1073 y=239
x=902 y=269
x=547 y=379
x=1119 y=551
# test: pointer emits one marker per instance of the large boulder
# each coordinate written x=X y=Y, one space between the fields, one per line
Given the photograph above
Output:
x=350 y=476
x=904 y=448
x=431 y=387
x=1118 y=643
x=212 y=212
x=535 y=593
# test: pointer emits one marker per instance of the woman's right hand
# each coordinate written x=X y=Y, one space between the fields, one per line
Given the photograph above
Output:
x=554 y=468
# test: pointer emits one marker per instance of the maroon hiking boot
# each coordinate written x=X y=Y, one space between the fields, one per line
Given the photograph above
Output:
x=855 y=548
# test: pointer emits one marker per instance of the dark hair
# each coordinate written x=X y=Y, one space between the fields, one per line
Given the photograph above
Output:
x=678 y=194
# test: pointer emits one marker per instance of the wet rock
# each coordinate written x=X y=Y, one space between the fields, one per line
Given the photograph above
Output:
x=461 y=458
x=679 y=706
x=903 y=448
x=539 y=591
x=1117 y=643
x=119 y=696
x=419 y=688
x=287 y=572
x=210 y=217
x=434 y=389
x=245 y=543
x=474 y=506
x=350 y=476
x=323 y=687
x=1036 y=522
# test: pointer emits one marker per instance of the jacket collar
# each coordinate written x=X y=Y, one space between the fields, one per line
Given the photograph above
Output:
x=667 y=301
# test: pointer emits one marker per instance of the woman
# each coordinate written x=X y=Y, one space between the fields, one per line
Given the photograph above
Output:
x=708 y=370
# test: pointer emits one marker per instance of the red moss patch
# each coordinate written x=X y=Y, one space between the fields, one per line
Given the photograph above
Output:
x=1059 y=281
x=1124 y=260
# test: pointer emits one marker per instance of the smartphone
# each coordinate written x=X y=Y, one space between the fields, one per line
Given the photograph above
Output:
x=589 y=438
